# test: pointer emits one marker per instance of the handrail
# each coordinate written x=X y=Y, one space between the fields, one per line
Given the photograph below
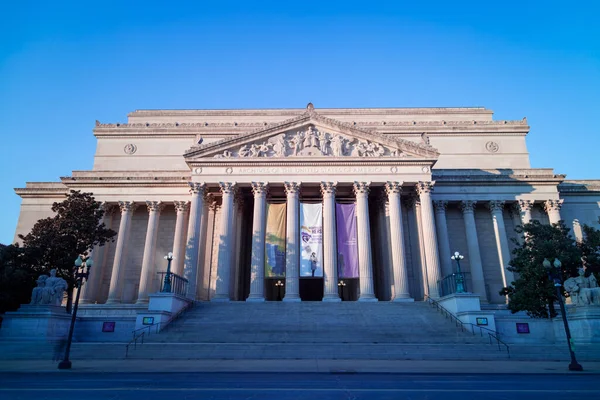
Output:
x=458 y=322
x=155 y=324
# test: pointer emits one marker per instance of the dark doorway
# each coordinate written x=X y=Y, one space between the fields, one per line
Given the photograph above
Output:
x=348 y=289
x=274 y=289
x=311 y=289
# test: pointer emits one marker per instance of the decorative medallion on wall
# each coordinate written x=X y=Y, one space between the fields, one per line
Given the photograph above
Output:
x=394 y=170
x=198 y=170
x=130 y=148
x=229 y=170
x=425 y=169
x=492 y=147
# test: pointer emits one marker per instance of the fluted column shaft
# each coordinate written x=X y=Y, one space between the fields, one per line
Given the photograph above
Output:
x=363 y=226
x=114 y=291
x=442 y=234
x=259 y=225
x=181 y=207
x=496 y=208
x=473 y=247
x=401 y=287
x=89 y=291
x=552 y=207
x=434 y=273
x=292 y=248
x=330 y=276
x=225 y=245
x=147 y=273
x=191 y=262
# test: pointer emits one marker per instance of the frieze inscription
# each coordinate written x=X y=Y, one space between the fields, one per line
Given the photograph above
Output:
x=308 y=170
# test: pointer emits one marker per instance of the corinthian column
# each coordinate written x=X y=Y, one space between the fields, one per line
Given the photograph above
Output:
x=496 y=208
x=365 y=259
x=259 y=225
x=181 y=207
x=114 y=291
x=552 y=207
x=525 y=210
x=401 y=288
x=154 y=209
x=330 y=292
x=468 y=209
x=191 y=262
x=442 y=234
x=292 y=249
x=434 y=273
x=226 y=243
x=89 y=291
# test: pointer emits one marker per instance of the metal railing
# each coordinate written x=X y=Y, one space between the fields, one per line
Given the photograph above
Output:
x=140 y=333
x=448 y=284
x=178 y=283
x=492 y=335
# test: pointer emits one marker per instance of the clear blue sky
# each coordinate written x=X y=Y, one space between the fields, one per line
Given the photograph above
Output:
x=64 y=64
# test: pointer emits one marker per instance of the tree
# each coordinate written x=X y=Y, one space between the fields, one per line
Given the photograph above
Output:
x=76 y=228
x=590 y=249
x=532 y=291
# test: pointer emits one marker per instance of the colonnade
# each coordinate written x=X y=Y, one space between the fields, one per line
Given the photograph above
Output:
x=430 y=220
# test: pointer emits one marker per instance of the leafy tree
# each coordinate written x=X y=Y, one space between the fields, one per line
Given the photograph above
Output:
x=76 y=227
x=532 y=291
x=590 y=249
x=17 y=279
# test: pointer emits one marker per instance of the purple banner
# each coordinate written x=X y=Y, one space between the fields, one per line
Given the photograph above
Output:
x=347 y=243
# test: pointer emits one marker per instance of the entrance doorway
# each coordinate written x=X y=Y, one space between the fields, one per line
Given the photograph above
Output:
x=311 y=289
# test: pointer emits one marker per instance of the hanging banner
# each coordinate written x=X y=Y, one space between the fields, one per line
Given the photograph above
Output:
x=311 y=239
x=275 y=241
x=347 y=243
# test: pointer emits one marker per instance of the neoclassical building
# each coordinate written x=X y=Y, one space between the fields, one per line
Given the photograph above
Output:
x=287 y=203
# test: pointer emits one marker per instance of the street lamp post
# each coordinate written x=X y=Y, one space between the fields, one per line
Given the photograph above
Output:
x=167 y=282
x=555 y=276
x=82 y=272
x=279 y=285
x=342 y=284
x=460 y=287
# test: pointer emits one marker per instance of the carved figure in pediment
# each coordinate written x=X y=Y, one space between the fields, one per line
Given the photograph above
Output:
x=244 y=151
x=337 y=145
x=279 y=148
x=310 y=138
x=254 y=150
x=324 y=142
x=296 y=142
x=263 y=149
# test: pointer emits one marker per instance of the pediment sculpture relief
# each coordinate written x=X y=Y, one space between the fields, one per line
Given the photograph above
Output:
x=311 y=142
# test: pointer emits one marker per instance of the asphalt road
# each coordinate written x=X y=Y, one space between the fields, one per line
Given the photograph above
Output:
x=288 y=386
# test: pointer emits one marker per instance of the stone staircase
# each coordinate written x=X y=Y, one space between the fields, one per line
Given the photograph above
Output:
x=308 y=330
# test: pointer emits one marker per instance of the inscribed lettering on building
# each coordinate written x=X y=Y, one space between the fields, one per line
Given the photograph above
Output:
x=347 y=243
x=311 y=239
x=275 y=241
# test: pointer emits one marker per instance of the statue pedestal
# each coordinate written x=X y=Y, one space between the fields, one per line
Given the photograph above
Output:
x=36 y=322
x=584 y=324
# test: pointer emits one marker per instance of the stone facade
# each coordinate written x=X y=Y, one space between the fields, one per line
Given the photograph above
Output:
x=426 y=182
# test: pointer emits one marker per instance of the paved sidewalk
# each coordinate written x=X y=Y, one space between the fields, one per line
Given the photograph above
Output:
x=304 y=366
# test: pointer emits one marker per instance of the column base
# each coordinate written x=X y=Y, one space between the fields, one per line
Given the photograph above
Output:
x=220 y=299
x=256 y=299
x=142 y=301
x=289 y=299
x=113 y=301
x=403 y=300
x=370 y=299
x=332 y=299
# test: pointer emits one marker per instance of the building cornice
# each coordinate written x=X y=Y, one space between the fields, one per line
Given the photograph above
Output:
x=470 y=177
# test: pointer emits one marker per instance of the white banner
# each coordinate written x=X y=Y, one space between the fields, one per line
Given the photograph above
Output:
x=311 y=239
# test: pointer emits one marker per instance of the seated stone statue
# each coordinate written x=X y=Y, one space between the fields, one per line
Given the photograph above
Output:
x=583 y=290
x=50 y=290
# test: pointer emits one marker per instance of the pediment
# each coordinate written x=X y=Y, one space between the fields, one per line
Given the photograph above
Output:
x=310 y=135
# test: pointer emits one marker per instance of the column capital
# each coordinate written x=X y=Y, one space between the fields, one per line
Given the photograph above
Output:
x=553 y=205
x=127 y=206
x=154 y=206
x=197 y=188
x=467 y=206
x=227 y=187
x=440 y=205
x=361 y=187
x=291 y=187
x=181 y=206
x=496 y=206
x=525 y=205
x=411 y=200
x=393 y=187
x=328 y=188
x=109 y=208
x=424 y=187
x=260 y=188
